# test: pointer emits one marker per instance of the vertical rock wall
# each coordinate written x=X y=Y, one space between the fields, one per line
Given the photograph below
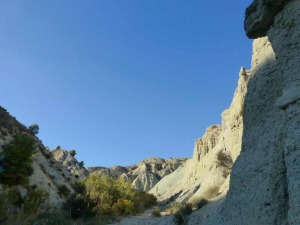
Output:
x=265 y=179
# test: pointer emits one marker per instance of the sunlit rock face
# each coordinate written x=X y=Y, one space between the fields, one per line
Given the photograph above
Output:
x=206 y=175
x=70 y=162
x=265 y=180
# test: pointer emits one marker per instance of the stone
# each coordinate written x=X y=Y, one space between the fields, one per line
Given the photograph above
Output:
x=288 y=97
x=260 y=15
x=265 y=179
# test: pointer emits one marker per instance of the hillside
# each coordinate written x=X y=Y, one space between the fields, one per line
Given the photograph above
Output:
x=48 y=174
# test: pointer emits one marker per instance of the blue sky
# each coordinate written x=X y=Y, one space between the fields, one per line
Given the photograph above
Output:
x=121 y=80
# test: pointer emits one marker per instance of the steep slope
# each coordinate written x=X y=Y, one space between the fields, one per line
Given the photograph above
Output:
x=206 y=175
x=143 y=175
x=47 y=174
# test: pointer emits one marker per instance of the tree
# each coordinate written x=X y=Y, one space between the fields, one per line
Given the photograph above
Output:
x=72 y=153
x=34 y=128
x=16 y=160
x=81 y=164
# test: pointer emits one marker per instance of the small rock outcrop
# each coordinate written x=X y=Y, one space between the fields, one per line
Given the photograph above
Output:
x=260 y=16
x=70 y=162
x=143 y=175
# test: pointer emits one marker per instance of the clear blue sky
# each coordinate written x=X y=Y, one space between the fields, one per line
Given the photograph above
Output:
x=121 y=80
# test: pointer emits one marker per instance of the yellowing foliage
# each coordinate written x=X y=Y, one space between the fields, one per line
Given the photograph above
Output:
x=106 y=196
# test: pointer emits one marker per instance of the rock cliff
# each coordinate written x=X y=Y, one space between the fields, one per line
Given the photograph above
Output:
x=265 y=179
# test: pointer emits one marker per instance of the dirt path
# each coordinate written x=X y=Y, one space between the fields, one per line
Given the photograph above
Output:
x=146 y=219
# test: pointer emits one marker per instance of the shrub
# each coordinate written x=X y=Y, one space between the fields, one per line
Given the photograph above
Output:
x=81 y=164
x=35 y=200
x=3 y=208
x=107 y=196
x=17 y=160
x=225 y=161
x=13 y=196
x=123 y=207
x=201 y=203
x=183 y=211
x=147 y=199
x=156 y=212
x=63 y=190
x=34 y=129
x=72 y=153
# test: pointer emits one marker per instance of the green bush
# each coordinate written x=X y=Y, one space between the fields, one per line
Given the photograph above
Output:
x=34 y=129
x=35 y=201
x=16 y=160
x=147 y=199
x=106 y=196
x=63 y=190
x=3 y=208
x=81 y=164
x=72 y=153
x=183 y=211
x=123 y=207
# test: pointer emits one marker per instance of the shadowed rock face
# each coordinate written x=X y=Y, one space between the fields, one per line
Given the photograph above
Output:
x=260 y=16
x=265 y=179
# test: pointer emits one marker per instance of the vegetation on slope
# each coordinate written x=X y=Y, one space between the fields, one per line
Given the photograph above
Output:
x=16 y=160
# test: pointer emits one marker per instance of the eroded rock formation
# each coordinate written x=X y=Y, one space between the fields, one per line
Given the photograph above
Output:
x=263 y=140
x=70 y=162
x=265 y=179
x=206 y=175
x=266 y=175
x=143 y=175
